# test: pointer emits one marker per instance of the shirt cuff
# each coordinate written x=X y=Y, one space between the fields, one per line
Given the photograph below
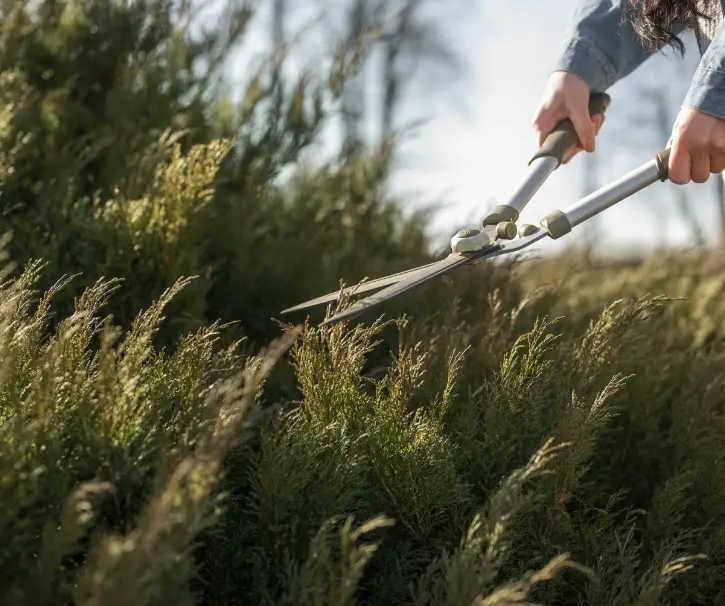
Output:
x=585 y=60
x=707 y=92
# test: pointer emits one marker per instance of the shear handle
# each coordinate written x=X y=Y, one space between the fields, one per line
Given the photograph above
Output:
x=544 y=162
x=563 y=138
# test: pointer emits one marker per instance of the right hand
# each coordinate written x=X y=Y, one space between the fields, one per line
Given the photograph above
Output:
x=567 y=96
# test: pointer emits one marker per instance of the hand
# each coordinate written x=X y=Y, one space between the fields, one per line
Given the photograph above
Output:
x=567 y=96
x=697 y=147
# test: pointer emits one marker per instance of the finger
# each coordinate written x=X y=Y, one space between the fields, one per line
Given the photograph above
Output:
x=699 y=166
x=541 y=121
x=540 y=130
x=679 y=164
x=545 y=121
x=598 y=123
x=583 y=126
x=717 y=164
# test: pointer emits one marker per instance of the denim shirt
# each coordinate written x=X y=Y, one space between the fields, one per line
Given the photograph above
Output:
x=604 y=48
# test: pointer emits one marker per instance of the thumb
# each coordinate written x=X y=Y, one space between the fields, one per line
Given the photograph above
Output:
x=583 y=125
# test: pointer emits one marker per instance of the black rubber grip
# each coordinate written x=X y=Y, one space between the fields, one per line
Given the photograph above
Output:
x=563 y=138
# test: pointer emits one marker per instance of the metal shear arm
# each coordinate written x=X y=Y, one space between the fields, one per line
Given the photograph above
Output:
x=498 y=236
x=560 y=223
x=554 y=225
x=503 y=217
x=546 y=160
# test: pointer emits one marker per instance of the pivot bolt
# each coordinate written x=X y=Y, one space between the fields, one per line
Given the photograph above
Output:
x=469 y=240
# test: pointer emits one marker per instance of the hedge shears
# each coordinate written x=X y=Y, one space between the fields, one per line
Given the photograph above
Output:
x=500 y=234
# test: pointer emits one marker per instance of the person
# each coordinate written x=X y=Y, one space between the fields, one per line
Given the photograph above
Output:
x=611 y=38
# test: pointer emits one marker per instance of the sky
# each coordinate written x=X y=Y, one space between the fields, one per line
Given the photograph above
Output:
x=474 y=147
x=512 y=48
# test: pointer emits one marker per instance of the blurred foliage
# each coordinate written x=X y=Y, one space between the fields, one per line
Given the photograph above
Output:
x=540 y=431
x=122 y=157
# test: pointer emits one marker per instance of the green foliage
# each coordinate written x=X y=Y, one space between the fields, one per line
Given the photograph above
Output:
x=130 y=450
x=545 y=432
x=137 y=455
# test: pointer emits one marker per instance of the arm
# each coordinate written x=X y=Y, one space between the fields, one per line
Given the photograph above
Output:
x=707 y=90
x=604 y=46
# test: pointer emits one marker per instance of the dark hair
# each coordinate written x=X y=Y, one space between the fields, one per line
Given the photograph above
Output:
x=654 y=20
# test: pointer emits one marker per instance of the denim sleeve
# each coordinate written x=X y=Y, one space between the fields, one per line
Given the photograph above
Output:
x=604 y=47
x=707 y=89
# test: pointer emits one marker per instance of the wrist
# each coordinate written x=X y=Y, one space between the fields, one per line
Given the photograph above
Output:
x=584 y=60
x=566 y=72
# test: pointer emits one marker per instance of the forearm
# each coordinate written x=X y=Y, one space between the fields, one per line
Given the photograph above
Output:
x=707 y=89
x=604 y=47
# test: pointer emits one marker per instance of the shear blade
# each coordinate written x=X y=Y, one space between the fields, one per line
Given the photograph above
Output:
x=361 y=288
x=418 y=277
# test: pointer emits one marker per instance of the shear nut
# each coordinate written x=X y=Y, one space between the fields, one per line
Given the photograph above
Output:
x=506 y=230
x=527 y=229
x=469 y=240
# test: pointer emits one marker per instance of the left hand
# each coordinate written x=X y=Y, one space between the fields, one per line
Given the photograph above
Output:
x=697 y=147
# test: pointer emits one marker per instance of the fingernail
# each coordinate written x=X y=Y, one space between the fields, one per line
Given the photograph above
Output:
x=590 y=144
